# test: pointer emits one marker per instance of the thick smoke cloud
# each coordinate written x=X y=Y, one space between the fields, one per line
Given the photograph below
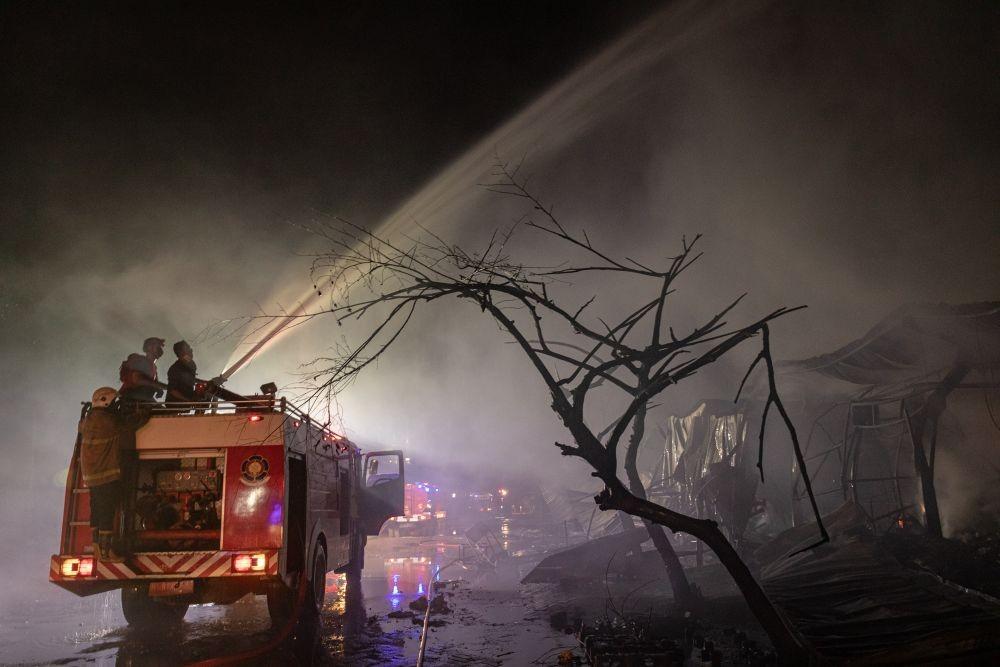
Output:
x=844 y=159
x=852 y=182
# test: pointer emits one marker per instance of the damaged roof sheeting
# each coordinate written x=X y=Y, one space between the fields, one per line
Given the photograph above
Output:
x=854 y=602
x=915 y=341
x=706 y=470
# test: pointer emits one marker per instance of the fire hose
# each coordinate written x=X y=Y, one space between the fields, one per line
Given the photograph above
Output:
x=427 y=621
x=272 y=644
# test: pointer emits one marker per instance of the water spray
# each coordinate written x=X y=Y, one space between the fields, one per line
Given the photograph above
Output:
x=561 y=115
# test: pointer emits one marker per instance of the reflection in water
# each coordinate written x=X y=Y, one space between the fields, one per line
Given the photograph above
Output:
x=399 y=570
x=337 y=633
x=207 y=631
x=225 y=630
x=336 y=585
x=407 y=576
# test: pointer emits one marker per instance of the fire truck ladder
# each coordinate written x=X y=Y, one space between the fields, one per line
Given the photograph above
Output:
x=76 y=508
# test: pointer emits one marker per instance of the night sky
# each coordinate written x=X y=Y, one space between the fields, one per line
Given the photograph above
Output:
x=342 y=106
x=843 y=155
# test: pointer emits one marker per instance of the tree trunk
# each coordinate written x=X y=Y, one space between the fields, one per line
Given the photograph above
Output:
x=919 y=426
x=684 y=595
x=789 y=645
x=932 y=515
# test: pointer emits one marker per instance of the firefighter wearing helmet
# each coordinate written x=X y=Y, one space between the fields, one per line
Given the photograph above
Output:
x=100 y=435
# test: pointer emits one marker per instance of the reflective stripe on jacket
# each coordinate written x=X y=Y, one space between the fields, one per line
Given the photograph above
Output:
x=99 y=445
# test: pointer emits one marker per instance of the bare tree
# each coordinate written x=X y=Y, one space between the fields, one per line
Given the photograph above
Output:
x=685 y=596
x=387 y=280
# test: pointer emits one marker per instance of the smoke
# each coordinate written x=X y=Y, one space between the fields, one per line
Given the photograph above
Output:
x=816 y=173
x=844 y=159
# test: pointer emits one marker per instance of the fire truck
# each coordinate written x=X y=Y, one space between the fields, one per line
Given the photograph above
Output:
x=223 y=499
x=421 y=512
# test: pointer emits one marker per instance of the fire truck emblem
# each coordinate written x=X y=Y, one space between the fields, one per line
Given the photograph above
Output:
x=254 y=470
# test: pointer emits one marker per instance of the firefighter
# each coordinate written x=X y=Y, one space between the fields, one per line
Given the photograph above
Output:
x=182 y=381
x=181 y=375
x=138 y=374
x=101 y=462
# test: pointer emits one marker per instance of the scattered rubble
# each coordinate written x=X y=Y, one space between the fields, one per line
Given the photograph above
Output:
x=438 y=605
x=971 y=561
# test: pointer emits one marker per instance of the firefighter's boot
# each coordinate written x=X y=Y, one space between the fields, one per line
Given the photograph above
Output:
x=108 y=553
x=96 y=546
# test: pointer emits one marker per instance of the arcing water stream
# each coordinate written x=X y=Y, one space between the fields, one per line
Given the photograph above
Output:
x=560 y=116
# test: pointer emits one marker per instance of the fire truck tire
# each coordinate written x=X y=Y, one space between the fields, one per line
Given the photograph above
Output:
x=142 y=611
x=357 y=563
x=280 y=604
x=317 y=588
x=281 y=598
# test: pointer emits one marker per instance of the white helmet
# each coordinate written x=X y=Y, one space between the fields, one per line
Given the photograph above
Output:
x=102 y=397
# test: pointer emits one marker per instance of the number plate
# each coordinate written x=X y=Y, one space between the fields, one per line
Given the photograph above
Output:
x=165 y=588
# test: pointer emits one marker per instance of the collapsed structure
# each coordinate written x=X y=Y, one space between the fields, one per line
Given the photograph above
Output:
x=913 y=430
x=901 y=429
x=903 y=422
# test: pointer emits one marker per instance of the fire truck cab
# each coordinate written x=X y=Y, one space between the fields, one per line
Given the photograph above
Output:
x=225 y=499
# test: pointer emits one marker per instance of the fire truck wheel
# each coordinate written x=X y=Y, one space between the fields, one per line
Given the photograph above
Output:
x=140 y=610
x=281 y=598
x=317 y=590
x=280 y=604
x=357 y=563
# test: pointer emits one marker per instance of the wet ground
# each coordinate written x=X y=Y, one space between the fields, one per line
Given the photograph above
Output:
x=492 y=618
x=492 y=621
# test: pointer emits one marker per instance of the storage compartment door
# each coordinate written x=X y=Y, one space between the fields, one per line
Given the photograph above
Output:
x=254 y=497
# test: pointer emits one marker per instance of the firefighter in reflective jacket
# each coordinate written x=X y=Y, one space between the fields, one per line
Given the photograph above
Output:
x=100 y=461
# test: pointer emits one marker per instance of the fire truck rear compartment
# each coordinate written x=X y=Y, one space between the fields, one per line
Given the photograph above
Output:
x=177 y=503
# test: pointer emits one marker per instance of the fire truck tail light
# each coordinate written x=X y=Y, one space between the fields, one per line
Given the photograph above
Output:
x=255 y=418
x=72 y=567
x=249 y=562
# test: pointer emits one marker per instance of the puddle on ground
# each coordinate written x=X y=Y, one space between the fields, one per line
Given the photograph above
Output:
x=491 y=622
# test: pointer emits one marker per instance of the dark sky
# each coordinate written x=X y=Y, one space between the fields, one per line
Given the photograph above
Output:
x=341 y=105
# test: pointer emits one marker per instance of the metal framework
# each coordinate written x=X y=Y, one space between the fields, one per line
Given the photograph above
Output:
x=872 y=462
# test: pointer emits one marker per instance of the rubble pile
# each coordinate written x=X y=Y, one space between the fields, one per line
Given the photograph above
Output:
x=971 y=561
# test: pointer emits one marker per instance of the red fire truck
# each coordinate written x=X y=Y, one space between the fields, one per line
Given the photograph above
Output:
x=225 y=499
x=422 y=512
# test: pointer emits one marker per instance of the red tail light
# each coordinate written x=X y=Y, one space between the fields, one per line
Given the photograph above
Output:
x=73 y=567
x=255 y=418
x=249 y=563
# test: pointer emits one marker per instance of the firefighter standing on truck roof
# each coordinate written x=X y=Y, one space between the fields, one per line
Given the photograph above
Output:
x=138 y=374
x=182 y=379
x=181 y=376
x=100 y=461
